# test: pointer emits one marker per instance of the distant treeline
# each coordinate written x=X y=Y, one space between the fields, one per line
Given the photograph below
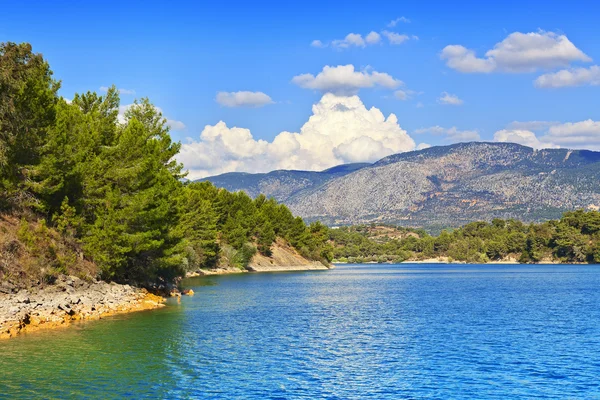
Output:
x=111 y=184
x=575 y=238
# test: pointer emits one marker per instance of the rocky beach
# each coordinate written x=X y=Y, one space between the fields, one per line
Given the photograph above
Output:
x=69 y=299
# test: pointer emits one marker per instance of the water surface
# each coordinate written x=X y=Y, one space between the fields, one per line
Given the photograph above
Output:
x=355 y=332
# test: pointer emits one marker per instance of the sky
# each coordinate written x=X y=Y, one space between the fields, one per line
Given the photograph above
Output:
x=258 y=86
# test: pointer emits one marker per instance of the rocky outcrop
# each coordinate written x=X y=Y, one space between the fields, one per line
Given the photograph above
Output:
x=69 y=299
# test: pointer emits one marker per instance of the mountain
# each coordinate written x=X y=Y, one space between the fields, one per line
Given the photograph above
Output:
x=281 y=184
x=446 y=186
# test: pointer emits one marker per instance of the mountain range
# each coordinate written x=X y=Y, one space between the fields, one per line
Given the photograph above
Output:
x=441 y=186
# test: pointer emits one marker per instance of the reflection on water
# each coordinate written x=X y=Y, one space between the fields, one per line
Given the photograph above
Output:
x=406 y=331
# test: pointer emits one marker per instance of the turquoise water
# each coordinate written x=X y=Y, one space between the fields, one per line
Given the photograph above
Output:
x=356 y=332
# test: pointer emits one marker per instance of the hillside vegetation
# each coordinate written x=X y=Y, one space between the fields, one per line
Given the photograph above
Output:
x=575 y=238
x=89 y=186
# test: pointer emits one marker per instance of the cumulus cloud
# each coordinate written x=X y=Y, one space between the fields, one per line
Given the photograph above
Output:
x=121 y=90
x=464 y=60
x=373 y=38
x=351 y=40
x=570 y=77
x=344 y=79
x=395 y=38
x=450 y=99
x=452 y=134
x=395 y=22
x=340 y=130
x=171 y=123
x=521 y=136
x=243 y=99
x=356 y=40
x=573 y=135
x=518 y=52
x=577 y=135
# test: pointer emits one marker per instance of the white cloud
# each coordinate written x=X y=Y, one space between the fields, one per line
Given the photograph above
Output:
x=578 y=135
x=573 y=135
x=340 y=130
x=518 y=52
x=521 y=136
x=243 y=99
x=171 y=123
x=395 y=38
x=452 y=134
x=357 y=40
x=423 y=146
x=394 y=22
x=450 y=99
x=373 y=38
x=121 y=91
x=570 y=77
x=464 y=60
x=351 y=40
x=343 y=79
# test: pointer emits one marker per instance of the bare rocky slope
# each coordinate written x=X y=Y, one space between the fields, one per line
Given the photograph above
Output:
x=453 y=185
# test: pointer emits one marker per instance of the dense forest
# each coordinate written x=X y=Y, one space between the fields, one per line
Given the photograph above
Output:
x=110 y=187
x=575 y=238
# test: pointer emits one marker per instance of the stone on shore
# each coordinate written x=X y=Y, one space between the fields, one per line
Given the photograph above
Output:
x=69 y=299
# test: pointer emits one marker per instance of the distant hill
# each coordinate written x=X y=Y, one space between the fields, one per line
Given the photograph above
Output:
x=438 y=186
x=281 y=184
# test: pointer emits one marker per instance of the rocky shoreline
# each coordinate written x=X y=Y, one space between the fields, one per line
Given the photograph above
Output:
x=68 y=299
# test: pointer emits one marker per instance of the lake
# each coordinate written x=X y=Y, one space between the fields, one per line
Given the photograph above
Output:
x=355 y=332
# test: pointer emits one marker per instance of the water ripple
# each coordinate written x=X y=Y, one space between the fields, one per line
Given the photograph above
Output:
x=356 y=332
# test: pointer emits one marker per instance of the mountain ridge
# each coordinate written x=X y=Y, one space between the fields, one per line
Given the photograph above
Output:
x=448 y=186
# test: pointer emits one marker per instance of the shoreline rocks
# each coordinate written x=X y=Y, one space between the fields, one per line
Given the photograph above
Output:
x=69 y=299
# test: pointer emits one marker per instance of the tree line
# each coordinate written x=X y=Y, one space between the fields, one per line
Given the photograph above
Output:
x=111 y=183
x=575 y=238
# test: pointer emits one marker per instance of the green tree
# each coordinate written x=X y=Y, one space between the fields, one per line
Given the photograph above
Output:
x=28 y=96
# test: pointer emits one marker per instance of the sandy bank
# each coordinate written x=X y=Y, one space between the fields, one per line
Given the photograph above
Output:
x=69 y=299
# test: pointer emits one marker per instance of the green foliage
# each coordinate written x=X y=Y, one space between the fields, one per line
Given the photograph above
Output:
x=28 y=96
x=574 y=238
x=115 y=186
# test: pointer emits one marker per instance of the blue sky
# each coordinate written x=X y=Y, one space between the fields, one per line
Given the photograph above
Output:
x=181 y=55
